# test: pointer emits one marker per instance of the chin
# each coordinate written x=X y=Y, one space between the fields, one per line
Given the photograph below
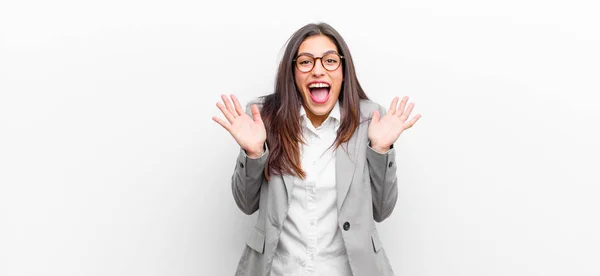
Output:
x=318 y=111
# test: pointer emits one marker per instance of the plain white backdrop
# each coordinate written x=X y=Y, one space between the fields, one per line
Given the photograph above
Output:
x=110 y=163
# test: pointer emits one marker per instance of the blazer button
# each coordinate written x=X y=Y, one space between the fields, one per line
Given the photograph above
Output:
x=241 y=165
x=390 y=164
x=346 y=226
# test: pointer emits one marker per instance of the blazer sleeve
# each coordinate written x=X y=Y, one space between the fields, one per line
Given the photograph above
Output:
x=384 y=181
x=247 y=179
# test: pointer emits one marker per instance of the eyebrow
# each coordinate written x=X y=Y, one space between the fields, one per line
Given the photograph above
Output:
x=311 y=55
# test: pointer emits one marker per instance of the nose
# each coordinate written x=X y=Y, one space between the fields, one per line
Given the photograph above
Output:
x=318 y=69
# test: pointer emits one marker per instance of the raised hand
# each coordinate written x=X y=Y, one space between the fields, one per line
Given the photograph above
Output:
x=383 y=132
x=248 y=132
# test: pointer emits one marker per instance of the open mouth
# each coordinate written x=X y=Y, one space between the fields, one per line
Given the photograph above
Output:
x=319 y=92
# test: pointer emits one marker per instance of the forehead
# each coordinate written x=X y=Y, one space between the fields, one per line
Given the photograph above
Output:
x=317 y=45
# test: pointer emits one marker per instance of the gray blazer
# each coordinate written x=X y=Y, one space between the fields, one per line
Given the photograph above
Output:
x=367 y=190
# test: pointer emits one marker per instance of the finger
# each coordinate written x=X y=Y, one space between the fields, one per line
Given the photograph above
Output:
x=238 y=106
x=375 y=118
x=392 y=109
x=256 y=114
x=402 y=106
x=229 y=106
x=413 y=121
x=225 y=112
x=221 y=122
x=406 y=114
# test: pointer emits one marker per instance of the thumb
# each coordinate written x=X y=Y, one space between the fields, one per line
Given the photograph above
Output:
x=256 y=114
x=376 y=117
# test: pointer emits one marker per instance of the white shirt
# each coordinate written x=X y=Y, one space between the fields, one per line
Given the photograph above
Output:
x=311 y=242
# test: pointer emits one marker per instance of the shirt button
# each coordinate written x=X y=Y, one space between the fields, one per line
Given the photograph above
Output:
x=312 y=223
x=346 y=226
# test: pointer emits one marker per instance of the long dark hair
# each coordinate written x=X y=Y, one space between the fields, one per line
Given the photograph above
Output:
x=281 y=110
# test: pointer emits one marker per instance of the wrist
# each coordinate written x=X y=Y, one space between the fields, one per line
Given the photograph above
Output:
x=380 y=148
x=254 y=155
x=255 y=152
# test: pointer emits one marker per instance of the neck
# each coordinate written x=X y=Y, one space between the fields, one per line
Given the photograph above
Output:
x=316 y=120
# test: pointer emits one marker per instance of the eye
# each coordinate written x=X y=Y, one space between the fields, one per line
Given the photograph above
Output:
x=331 y=61
x=304 y=62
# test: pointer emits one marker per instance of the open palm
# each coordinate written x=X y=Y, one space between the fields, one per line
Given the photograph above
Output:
x=248 y=132
x=384 y=131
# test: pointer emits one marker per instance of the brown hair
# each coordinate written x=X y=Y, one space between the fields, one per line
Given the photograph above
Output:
x=281 y=110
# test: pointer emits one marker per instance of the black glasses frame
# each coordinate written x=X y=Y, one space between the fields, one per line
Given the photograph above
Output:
x=321 y=59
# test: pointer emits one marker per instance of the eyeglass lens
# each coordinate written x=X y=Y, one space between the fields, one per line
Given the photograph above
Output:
x=306 y=63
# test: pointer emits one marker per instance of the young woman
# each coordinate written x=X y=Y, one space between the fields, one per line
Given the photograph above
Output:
x=317 y=162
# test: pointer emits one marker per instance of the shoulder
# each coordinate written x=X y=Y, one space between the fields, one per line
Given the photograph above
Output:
x=260 y=101
x=367 y=107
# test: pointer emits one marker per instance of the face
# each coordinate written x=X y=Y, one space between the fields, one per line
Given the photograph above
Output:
x=319 y=87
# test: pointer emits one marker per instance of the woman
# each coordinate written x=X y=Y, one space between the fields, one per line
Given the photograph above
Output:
x=317 y=162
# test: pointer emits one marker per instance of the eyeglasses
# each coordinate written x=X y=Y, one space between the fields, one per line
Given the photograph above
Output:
x=305 y=63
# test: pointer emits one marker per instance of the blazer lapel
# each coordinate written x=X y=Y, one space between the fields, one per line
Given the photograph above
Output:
x=345 y=166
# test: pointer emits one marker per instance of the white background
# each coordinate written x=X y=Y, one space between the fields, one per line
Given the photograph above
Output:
x=110 y=163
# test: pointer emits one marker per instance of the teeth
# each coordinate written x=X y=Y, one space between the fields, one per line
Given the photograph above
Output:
x=318 y=85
